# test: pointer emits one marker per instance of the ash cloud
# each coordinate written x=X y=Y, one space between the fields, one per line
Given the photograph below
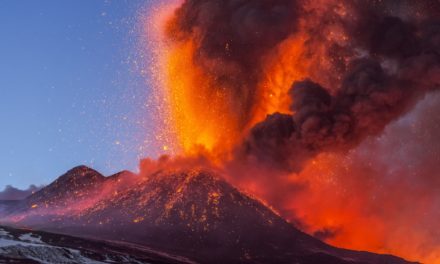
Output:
x=401 y=63
x=12 y=193
x=385 y=58
x=394 y=182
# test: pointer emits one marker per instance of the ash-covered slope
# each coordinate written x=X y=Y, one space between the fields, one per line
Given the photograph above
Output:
x=193 y=213
x=29 y=246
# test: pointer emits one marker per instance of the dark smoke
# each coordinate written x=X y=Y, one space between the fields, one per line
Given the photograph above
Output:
x=401 y=64
x=386 y=58
x=367 y=64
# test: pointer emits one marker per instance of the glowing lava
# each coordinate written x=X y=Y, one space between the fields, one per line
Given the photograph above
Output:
x=201 y=114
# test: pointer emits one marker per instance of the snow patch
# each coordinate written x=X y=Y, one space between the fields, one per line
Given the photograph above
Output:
x=30 y=246
x=4 y=233
x=47 y=254
x=31 y=238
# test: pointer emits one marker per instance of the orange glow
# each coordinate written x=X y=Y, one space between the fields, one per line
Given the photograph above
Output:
x=138 y=219
x=281 y=69
x=206 y=117
x=201 y=119
x=200 y=113
x=345 y=200
x=203 y=116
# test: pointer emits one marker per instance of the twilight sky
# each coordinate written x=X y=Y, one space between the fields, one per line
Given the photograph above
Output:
x=70 y=94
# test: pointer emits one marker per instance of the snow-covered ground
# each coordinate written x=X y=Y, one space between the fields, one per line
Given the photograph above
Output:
x=29 y=237
x=30 y=246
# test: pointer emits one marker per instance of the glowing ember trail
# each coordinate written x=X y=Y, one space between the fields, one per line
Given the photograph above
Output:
x=283 y=94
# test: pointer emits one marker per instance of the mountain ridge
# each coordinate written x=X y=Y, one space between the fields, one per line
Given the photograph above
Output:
x=194 y=213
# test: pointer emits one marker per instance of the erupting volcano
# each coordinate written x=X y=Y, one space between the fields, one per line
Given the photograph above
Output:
x=291 y=123
x=191 y=213
x=309 y=106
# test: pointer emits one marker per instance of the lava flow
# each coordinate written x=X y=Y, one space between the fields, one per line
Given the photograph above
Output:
x=292 y=98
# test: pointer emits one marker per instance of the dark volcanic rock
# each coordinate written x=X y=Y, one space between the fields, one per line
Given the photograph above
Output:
x=80 y=183
x=193 y=213
x=29 y=246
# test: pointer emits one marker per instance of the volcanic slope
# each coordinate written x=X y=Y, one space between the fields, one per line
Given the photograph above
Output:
x=23 y=246
x=193 y=213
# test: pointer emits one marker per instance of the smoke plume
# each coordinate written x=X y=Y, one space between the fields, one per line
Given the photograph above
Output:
x=360 y=65
x=368 y=100
x=401 y=64
x=288 y=95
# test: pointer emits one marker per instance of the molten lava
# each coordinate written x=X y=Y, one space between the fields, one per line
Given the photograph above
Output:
x=200 y=112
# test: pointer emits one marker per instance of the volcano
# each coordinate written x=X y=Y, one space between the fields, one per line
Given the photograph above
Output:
x=192 y=213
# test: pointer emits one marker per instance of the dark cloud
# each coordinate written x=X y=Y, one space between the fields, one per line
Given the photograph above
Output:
x=401 y=63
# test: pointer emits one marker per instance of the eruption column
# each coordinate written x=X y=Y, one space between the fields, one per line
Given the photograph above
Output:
x=266 y=88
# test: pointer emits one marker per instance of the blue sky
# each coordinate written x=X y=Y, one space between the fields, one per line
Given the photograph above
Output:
x=69 y=92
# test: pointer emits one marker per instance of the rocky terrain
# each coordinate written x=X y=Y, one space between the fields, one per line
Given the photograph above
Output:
x=30 y=246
